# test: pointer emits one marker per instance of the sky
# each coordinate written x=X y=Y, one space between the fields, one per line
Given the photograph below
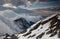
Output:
x=41 y=4
x=29 y=3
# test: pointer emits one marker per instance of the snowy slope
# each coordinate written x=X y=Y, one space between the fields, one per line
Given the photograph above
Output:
x=44 y=29
x=4 y=28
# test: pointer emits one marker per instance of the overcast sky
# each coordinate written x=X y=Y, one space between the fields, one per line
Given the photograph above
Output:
x=41 y=2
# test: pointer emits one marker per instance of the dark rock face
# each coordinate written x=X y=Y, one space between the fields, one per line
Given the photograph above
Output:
x=22 y=23
x=31 y=35
x=31 y=23
x=27 y=34
x=40 y=36
x=11 y=37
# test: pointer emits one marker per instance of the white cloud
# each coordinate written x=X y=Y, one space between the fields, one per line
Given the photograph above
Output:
x=9 y=5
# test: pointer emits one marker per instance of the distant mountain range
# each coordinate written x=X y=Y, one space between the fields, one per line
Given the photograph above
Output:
x=12 y=22
x=52 y=9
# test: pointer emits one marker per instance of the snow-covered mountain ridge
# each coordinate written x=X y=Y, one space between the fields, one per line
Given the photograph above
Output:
x=48 y=28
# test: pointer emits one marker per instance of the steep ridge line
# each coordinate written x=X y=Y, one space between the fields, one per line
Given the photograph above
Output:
x=34 y=27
